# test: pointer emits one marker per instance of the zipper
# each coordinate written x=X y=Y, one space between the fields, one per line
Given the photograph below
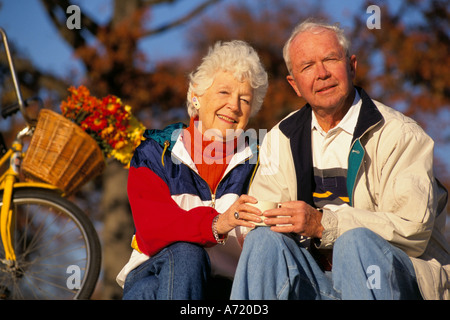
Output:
x=351 y=200
x=213 y=194
x=213 y=200
x=166 y=145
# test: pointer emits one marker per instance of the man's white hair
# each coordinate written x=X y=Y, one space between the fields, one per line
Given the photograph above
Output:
x=309 y=25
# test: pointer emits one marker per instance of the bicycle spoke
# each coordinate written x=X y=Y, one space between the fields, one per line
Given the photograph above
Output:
x=47 y=240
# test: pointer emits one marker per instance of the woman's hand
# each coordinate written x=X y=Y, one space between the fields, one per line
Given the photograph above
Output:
x=247 y=213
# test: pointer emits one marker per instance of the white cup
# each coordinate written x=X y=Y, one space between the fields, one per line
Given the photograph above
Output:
x=263 y=206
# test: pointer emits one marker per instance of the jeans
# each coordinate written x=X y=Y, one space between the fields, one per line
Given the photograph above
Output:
x=179 y=272
x=365 y=266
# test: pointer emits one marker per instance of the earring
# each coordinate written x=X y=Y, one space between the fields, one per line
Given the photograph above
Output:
x=196 y=103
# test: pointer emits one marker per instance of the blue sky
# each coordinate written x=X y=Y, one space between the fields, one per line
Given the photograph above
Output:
x=29 y=28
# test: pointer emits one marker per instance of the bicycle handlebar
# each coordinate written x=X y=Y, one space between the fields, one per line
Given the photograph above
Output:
x=10 y=110
x=20 y=103
x=13 y=108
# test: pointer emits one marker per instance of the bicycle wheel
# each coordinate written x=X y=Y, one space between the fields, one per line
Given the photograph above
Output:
x=58 y=252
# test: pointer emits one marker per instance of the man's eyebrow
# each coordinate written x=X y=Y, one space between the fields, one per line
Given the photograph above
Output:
x=334 y=54
x=306 y=62
x=329 y=55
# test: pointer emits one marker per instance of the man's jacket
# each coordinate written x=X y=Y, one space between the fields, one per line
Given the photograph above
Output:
x=390 y=183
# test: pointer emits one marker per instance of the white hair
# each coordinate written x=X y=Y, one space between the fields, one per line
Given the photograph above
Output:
x=236 y=57
x=309 y=25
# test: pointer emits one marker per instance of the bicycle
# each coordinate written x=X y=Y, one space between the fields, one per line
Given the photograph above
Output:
x=49 y=248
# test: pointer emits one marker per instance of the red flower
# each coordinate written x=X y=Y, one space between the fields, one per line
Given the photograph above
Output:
x=94 y=122
x=107 y=120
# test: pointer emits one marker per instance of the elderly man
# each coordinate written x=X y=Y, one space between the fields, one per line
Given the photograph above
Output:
x=362 y=215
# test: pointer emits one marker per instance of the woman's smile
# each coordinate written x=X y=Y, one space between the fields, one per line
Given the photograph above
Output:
x=226 y=105
x=226 y=119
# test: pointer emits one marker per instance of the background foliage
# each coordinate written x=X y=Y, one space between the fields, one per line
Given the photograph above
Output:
x=405 y=64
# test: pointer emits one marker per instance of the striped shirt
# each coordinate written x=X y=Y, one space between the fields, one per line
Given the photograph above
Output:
x=330 y=152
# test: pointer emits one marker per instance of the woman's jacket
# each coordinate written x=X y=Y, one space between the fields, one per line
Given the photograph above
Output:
x=170 y=202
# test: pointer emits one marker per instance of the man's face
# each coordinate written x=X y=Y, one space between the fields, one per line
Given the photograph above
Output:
x=321 y=72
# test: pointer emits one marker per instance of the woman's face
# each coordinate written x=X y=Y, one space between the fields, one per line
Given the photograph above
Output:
x=225 y=106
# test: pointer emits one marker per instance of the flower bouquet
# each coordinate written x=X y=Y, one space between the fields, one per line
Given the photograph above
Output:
x=108 y=121
x=70 y=149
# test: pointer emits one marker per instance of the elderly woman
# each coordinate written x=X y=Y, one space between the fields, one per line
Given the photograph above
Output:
x=186 y=186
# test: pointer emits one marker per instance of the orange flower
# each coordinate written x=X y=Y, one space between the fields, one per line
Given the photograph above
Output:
x=94 y=122
x=107 y=120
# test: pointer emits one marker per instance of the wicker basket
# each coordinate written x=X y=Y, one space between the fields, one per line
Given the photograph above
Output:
x=61 y=153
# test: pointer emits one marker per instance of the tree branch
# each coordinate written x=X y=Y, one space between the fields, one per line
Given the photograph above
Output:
x=73 y=37
x=182 y=20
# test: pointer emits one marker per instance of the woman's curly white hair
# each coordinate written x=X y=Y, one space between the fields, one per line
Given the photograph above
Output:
x=236 y=57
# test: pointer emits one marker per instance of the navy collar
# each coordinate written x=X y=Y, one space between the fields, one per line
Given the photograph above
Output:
x=297 y=128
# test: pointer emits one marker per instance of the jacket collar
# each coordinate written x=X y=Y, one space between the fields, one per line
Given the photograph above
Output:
x=243 y=153
x=172 y=134
x=297 y=128
x=169 y=133
x=368 y=116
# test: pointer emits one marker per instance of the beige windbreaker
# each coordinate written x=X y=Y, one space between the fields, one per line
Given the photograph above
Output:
x=394 y=194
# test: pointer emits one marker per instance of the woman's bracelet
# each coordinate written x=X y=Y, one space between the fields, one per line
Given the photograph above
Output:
x=215 y=233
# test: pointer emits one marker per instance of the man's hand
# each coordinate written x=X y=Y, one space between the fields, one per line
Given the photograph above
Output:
x=298 y=216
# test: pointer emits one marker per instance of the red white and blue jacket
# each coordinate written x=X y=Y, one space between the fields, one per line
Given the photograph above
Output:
x=170 y=202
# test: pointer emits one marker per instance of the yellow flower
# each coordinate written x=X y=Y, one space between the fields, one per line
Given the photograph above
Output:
x=123 y=132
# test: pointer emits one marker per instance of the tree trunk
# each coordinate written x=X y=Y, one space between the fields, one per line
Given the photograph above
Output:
x=118 y=228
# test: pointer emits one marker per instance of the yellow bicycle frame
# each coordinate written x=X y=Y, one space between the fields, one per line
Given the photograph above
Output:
x=8 y=182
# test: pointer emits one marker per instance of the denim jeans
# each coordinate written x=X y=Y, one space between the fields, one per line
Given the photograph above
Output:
x=365 y=266
x=179 y=272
